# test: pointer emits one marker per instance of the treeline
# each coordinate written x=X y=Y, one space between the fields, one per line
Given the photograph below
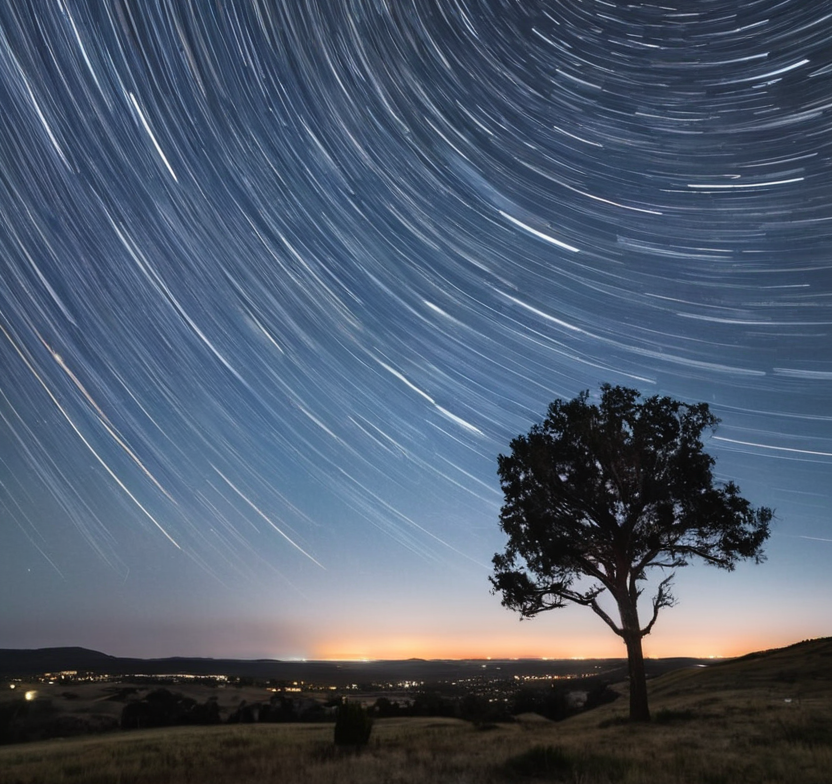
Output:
x=162 y=708
x=22 y=721
x=555 y=702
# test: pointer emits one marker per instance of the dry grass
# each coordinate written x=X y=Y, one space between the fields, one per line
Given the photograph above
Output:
x=751 y=742
x=733 y=723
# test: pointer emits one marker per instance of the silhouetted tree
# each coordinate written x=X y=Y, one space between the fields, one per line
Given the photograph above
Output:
x=598 y=494
x=163 y=708
x=204 y=713
x=429 y=702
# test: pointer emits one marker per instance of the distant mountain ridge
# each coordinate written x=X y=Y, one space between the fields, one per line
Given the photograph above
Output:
x=23 y=663
x=37 y=660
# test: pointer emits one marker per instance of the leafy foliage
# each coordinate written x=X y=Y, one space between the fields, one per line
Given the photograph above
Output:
x=609 y=491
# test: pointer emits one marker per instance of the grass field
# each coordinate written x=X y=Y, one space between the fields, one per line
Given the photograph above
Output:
x=765 y=718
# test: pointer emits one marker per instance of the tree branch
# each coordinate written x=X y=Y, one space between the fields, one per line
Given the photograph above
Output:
x=596 y=608
x=590 y=599
x=663 y=598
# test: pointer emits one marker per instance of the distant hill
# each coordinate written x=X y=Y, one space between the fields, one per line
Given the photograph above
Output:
x=808 y=660
x=22 y=663
x=37 y=660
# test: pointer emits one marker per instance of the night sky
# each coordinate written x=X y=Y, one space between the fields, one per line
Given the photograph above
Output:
x=281 y=279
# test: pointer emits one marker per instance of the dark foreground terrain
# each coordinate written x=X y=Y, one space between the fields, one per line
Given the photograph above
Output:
x=763 y=718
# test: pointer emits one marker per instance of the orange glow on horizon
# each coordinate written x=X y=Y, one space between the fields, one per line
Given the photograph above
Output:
x=589 y=648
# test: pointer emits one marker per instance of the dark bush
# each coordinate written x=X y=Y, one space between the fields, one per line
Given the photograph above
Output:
x=810 y=731
x=352 y=725
x=12 y=713
x=613 y=721
x=430 y=702
x=672 y=716
x=552 y=763
x=162 y=708
x=544 y=762
x=205 y=713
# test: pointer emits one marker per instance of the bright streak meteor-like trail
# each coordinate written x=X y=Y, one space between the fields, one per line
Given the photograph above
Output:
x=279 y=280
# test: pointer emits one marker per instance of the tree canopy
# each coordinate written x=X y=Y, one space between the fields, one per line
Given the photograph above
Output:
x=599 y=494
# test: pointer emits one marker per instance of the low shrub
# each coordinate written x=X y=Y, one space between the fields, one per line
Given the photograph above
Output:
x=552 y=763
x=549 y=762
x=352 y=725
x=670 y=716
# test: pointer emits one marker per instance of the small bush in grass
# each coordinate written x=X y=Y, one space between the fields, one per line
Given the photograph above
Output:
x=603 y=767
x=614 y=721
x=810 y=731
x=670 y=716
x=352 y=725
x=550 y=762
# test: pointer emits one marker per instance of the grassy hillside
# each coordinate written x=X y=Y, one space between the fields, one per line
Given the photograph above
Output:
x=763 y=718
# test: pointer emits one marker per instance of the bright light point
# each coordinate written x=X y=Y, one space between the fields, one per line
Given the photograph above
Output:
x=30 y=695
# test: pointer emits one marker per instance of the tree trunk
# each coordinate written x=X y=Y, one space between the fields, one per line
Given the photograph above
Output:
x=639 y=710
x=631 y=632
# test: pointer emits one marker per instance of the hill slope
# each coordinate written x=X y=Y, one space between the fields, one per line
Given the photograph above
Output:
x=799 y=671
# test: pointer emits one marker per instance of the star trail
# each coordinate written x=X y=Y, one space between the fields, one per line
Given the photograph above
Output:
x=281 y=279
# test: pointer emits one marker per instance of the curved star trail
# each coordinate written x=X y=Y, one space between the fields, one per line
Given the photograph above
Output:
x=281 y=279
